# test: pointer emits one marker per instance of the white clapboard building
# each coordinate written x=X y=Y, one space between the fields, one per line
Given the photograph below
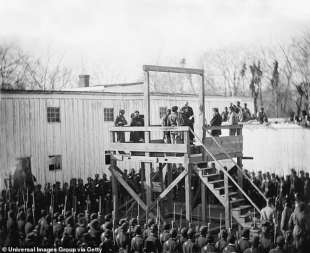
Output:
x=64 y=134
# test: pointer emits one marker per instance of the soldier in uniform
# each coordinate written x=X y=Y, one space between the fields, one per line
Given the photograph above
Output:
x=12 y=230
x=280 y=245
x=285 y=216
x=107 y=244
x=137 y=241
x=210 y=246
x=166 y=123
x=189 y=246
x=188 y=116
x=255 y=247
x=164 y=236
x=183 y=237
x=216 y=121
x=119 y=122
x=122 y=238
x=222 y=242
x=172 y=245
x=243 y=242
x=201 y=241
x=231 y=246
x=300 y=226
x=152 y=243
x=266 y=237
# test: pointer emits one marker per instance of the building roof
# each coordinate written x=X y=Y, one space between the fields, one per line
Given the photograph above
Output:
x=121 y=87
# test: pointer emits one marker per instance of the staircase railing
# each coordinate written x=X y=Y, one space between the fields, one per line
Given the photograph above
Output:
x=236 y=164
x=225 y=172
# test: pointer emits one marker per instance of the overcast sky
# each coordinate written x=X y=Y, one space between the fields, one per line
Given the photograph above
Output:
x=120 y=36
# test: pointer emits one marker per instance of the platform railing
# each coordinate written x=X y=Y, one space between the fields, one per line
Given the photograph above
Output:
x=238 y=129
x=150 y=139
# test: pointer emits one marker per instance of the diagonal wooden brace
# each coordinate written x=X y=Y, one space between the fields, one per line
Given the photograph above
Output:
x=133 y=194
x=169 y=188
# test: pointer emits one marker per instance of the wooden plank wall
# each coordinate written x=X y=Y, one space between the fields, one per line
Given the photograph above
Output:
x=82 y=134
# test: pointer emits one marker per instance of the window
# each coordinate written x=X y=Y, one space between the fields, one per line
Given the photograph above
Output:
x=54 y=162
x=108 y=114
x=162 y=111
x=53 y=114
x=107 y=157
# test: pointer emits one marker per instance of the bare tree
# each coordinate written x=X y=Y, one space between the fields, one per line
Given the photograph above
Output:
x=255 y=84
x=275 y=86
x=19 y=70
x=14 y=73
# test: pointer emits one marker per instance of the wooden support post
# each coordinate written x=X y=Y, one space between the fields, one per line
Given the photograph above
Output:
x=147 y=98
x=227 y=204
x=148 y=183
x=203 y=202
x=169 y=180
x=188 y=193
x=240 y=176
x=114 y=191
x=201 y=114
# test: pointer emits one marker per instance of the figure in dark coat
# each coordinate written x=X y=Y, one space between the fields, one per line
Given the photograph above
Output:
x=216 y=121
x=152 y=243
x=137 y=241
x=172 y=245
x=12 y=230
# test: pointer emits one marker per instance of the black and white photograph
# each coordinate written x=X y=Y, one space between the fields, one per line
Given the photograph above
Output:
x=155 y=126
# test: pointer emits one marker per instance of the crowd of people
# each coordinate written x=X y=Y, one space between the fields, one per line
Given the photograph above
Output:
x=233 y=115
x=302 y=118
x=80 y=215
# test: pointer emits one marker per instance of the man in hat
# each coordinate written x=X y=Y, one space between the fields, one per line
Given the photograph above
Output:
x=164 y=236
x=136 y=245
x=262 y=116
x=299 y=224
x=172 y=245
x=122 y=238
x=225 y=114
x=222 y=242
x=165 y=123
x=266 y=237
x=209 y=247
x=231 y=246
x=174 y=121
x=216 y=121
x=201 y=241
x=107 y=244
x=188 y=119
x=232 y=120
x=268 y=212
x=280 y=245
x=285 y=217
x=137 y=120
x=246 y=113
x=120 y=121
x=243 y=242
x=152 y=243
x=189 y=246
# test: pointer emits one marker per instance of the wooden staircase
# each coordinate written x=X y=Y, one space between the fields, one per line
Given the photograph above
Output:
x=241 y=209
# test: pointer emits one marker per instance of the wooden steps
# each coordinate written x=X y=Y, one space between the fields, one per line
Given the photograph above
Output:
x=241 y=210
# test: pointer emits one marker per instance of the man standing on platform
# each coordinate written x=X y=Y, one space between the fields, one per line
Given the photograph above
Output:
x=188 y=116
x=119 y=122
x=216 y=121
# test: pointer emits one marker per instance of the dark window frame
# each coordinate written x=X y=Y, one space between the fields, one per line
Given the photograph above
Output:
x=108 y=114
x=54 y=167
x=53 y=114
